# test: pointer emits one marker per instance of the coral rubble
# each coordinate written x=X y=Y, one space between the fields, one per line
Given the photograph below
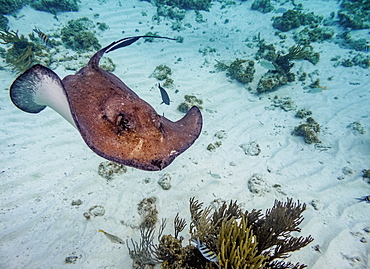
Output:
x=55 y=6
x=354 y=14
x=318 y=34
x=186 y=4
x=213 y=146
x=109 y=169
x=273 y=79
x=165 y=182
x=359 y=59
x=278 y=66
x=303 y=113
x=240 y=70
x=356 y=128
x=147 y=209
x=308 y=131
x=292 y=19
x=270 y=81
x=163 y=72
x=251 y=148
x=94 y=211
x=263 y=6
x=174 y=13
x=284 y=103
x=190 y=100
x=257 y=185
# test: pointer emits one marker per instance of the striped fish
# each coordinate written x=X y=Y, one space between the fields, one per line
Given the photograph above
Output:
x=364 y=199
x=41 y=35
x=206 y=252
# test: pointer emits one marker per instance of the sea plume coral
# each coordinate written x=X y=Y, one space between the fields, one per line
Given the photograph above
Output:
x=240 y=240
x=19 y=56
x=273 y=230
x=239 y=246
x=23 y=53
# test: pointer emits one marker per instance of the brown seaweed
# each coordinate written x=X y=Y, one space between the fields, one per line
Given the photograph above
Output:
x=21 y=55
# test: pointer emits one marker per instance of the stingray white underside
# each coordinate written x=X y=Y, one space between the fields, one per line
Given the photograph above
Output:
x=39 y=87
x=51 y=93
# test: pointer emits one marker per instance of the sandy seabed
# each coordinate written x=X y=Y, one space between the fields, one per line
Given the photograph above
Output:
x=45 y=164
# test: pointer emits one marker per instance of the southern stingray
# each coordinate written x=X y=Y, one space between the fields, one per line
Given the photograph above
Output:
x=112 y=119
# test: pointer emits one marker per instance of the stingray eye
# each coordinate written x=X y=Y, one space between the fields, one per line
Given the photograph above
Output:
x=119 y=119
x=122 y=122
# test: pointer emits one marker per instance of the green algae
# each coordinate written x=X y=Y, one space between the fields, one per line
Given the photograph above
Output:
x=186 y=4
x=355 y=14
x=292 y=19
x=77 y=36
x=263 y=6
x=240 y=70
x=9 y=7
x=55 y=6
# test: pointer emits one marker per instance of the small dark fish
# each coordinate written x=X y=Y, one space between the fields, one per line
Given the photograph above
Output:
x=364 y=199
x=41 y=35
x=165 y=97
x=206 y=252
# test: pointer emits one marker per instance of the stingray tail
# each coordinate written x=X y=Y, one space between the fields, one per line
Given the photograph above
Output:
x=124 y=42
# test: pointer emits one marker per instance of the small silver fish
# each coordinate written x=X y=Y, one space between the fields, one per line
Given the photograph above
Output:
x=268 y=65
x=281 y=10
x=20 y=17
x=41 y=35
x=206 y=252
x=112 y=238
x=315 y=90
x=364 y=199
x=164 y=94
x=215 y=176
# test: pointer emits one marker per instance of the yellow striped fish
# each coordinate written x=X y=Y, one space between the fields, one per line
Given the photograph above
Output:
x=206 y=252
x=364 y=199
x=41 y=35
x=112 y=238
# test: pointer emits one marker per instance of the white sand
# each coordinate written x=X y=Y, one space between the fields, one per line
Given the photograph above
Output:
x=45 y=164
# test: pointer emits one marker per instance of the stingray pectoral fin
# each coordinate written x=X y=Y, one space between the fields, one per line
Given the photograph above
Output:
x=159 y=151
x=180 y=135
x=38 y=88
x=187 y=127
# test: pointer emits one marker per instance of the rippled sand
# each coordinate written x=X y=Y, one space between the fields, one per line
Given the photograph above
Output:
x=46 y=164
